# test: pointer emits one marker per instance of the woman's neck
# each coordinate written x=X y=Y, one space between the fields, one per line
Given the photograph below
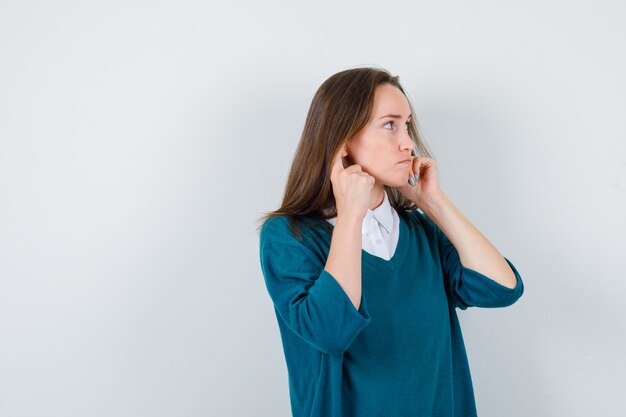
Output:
x=377 y=196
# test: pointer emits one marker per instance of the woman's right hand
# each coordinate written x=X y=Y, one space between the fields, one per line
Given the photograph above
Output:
x=351 y=186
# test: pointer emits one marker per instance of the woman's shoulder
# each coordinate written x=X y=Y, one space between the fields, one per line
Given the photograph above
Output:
x=289 y=229
x=416 y=218
x=275 y=228
x=307 y=243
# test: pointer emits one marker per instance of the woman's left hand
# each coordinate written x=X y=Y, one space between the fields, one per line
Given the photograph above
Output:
x=426 y=188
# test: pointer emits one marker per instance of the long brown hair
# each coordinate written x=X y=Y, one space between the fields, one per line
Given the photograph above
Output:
x=340 y=108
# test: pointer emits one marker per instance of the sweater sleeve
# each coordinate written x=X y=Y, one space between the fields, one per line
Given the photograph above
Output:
x=309 y=299
x=470 y=288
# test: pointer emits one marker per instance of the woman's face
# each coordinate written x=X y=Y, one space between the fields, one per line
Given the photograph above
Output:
x=384 y=141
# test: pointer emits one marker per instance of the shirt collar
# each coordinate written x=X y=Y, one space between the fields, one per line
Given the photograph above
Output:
x=383 y=213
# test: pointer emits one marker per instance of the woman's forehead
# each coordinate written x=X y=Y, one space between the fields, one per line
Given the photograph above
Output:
x=390 y=101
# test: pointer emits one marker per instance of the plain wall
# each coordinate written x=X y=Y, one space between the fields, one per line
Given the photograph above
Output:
x=140 y=142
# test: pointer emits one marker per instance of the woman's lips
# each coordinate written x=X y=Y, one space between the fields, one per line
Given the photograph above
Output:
x=406 y=161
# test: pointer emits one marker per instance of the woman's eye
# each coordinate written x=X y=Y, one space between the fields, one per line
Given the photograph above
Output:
x=406 y=125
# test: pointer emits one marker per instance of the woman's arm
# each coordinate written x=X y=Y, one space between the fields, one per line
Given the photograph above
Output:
x=352 y=189
x=475 y=251
x=344 y=256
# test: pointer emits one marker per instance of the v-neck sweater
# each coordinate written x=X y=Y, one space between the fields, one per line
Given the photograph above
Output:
x=402 y=352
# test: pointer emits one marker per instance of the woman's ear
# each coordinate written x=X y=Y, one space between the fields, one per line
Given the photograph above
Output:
x=345 y=158
x=344 y=150
x=347 y=161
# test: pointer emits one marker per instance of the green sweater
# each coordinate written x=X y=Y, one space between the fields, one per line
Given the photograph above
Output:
x=402 y=352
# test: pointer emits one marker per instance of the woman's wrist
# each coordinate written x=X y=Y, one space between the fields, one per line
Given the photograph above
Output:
x=433 y=203
x=350 y=219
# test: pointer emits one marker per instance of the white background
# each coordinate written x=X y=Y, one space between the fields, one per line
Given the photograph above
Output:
x=140 y=142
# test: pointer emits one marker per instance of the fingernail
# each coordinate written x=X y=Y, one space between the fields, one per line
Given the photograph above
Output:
x=411 y=181
x=416 y=177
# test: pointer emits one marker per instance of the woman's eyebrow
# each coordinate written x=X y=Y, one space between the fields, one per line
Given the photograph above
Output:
x=394 y=116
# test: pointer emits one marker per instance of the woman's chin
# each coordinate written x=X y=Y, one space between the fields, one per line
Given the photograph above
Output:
x=397 y=182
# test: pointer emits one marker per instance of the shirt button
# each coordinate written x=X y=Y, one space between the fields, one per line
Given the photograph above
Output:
x=379 y=241
x=372 y=219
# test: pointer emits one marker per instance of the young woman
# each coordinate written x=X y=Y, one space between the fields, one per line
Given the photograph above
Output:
x=367 y=260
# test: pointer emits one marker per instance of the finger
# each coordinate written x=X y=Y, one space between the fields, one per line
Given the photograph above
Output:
x=417 y=163
x=354 y=168
x=338 y=161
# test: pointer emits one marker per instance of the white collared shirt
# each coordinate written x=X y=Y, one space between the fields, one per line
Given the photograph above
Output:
x=380 y=230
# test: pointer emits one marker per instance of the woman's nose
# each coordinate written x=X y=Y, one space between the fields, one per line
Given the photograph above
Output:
x=407 y=142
